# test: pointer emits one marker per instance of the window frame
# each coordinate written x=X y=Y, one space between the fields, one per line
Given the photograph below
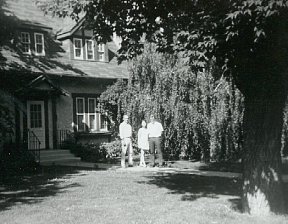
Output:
x=93 y=50
x=92 y=113
x=43 y=44
x=105 y=122
x=86 y=99
x=81 y=49
x=28 y=43
x=80 y=114
x=101 y=51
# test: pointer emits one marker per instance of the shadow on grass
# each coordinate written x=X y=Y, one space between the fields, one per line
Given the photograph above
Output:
x=193 y=187
x=34 y=187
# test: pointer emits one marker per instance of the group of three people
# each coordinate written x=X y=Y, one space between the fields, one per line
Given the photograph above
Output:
x=148 y=139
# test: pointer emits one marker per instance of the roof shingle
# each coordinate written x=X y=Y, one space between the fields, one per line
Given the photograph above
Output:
x=26 y=12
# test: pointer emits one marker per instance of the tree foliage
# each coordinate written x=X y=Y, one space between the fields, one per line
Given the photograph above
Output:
x=202 y=117
x=199 y=29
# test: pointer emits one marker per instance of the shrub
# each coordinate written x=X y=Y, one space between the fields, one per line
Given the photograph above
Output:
x=15 y=160
x=112 y=149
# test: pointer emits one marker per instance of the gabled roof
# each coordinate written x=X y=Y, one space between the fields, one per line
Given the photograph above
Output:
x=27 y=14
x=43 y=83
x=70 y=28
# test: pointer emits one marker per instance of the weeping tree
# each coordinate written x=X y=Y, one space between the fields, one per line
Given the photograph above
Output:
x=202 y=116
x=247 y=38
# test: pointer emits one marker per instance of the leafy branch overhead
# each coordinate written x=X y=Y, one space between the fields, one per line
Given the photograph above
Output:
x=200 y=30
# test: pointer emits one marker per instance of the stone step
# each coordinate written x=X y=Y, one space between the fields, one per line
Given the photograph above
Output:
x=54 y=152
x=56 y=156
x=60 y=161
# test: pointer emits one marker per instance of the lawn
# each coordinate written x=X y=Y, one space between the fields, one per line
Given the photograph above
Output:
x=69 y=195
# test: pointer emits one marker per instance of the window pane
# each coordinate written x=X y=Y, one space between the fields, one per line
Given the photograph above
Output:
x=35 y=116
x=101 y=47
x=89 y=49
x=89 y=45
x=101 y=56
x=25 y=37
x=91 y=103
x=103 y=122
x=38 y=39
x=78 y=52
x=90 y=55
x=26 y=47
x=39 y=48
x=80 y=122
x=77 y=43
x=92 y=124
x=80 y=106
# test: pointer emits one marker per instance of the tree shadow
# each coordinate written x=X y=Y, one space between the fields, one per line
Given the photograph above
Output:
x=35 y=187
x=193 y=187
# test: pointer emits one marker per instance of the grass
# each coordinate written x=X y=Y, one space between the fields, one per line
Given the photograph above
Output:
x=69 y=195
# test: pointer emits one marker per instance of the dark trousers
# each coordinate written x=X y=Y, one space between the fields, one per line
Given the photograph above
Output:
x=155 y=143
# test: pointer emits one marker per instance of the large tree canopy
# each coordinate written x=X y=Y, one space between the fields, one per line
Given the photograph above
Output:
x=233 y=31
x=247 y=39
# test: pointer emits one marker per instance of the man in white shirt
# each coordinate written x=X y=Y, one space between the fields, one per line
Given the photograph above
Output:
x=155 y=130
x=125 y=132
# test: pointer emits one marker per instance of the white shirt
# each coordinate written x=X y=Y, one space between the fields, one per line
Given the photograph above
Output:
x=125 y=130
x=143 y=142
x=155 y=129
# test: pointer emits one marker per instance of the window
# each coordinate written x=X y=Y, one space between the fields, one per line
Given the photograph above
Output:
x=89 y=50
x=39 y=44
x=35 y=116
x=92 y=114
x=87 y=116
x=103 y=122
x=80 y=112
x=78 y=50
x=26 y=42
x=101 y=52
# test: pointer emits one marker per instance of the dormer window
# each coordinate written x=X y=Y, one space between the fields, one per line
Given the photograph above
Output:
x=26 y=42
x=90 y=55
x=101 y=52
x=88 y=49
x=78 y=50
x=39 y=44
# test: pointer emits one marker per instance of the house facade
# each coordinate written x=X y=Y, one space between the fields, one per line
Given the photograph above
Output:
x=52 y=72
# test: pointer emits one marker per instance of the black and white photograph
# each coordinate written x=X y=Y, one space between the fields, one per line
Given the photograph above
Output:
x=143 y=111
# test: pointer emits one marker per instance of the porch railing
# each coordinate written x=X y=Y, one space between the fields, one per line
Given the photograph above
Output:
x=62 y=137
x=34 y=145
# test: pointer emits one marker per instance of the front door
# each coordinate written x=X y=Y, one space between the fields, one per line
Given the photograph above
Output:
x=36 y=123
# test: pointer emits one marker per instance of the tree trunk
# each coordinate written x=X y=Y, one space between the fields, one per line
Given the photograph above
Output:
x=262 y=180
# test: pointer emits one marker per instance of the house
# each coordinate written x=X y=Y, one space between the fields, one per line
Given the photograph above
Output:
x=53 y=71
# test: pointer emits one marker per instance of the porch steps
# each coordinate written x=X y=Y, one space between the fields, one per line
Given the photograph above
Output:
x=55 y=156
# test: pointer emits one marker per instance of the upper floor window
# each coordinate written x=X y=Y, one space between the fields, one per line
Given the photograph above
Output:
x=39 y=44
x=90 y=50
x=78 y=50
x=101 y=52
x=26 y=42
x=86 y=49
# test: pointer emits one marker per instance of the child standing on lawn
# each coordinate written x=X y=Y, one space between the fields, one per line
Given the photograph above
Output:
x=143 y=142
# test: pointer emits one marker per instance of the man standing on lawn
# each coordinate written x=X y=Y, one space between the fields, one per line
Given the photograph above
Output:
x=155 y=130
x=125 y=132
